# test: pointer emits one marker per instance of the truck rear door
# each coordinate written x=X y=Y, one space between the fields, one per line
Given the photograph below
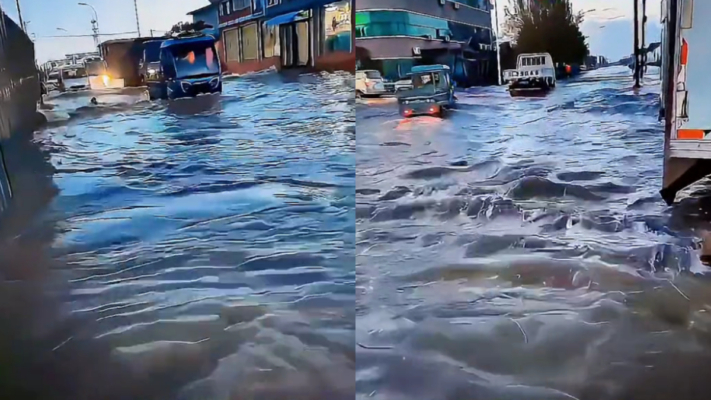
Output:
x=692 y=103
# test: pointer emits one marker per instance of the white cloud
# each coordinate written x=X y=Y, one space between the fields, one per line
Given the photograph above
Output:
x=604 y=10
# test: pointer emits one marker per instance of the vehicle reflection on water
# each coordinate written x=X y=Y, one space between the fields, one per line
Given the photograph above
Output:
x=203 y=248
x=519 y=250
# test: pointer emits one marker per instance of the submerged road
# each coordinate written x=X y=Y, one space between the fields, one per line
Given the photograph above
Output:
x=519 y=250
x=202 y=249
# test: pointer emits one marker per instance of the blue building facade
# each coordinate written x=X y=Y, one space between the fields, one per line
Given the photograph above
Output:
x=392 y=36
x=262 y=34
x=209 y=15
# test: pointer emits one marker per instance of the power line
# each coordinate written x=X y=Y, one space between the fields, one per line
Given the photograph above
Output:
x=78 y=36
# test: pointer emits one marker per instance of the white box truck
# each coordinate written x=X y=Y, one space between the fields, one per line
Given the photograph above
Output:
x=685 y=96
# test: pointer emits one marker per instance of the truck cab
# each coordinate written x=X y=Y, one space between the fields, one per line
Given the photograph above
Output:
x=189 y=66
x=432 y=92
x=534 y=71
x=149 y=64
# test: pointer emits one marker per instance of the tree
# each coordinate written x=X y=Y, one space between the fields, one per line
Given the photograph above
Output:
x=546 y=26
x=188 y=27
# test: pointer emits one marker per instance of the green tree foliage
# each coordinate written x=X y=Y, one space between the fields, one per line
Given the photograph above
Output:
x=546 y=26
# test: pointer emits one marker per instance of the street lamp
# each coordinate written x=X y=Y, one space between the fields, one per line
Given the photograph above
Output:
x=94 y=23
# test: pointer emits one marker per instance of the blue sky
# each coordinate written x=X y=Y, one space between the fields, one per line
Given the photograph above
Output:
x=609 y=27
x=46 y=16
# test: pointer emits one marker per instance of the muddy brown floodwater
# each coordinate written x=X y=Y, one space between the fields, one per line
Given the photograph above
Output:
x=519 y=250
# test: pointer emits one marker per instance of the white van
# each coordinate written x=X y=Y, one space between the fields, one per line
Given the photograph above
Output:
x=534 y=71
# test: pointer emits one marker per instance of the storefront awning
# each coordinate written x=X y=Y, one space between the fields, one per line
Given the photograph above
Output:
x=286 y=18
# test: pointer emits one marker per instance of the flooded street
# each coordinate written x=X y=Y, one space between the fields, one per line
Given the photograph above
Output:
x=203 y=247
x=519 y=250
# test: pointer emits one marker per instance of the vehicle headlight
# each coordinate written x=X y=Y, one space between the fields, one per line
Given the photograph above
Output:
x=430 y=100
x=105 y=79
x=185 y=86
x=151 y=71
x=214 y=81
x=405 y=102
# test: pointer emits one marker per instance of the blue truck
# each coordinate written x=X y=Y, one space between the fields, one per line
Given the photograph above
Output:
x=189 y=66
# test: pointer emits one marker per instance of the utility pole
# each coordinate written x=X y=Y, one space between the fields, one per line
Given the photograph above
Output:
x=138 y=24
x=94 y=23
x=19 y=15
x=636 y=44
x=497 y=44
x=644 y=43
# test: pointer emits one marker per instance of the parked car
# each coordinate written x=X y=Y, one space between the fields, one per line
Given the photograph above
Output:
x=369 y=83
x=402 y=84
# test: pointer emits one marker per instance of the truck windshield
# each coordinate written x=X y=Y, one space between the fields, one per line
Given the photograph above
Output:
x=195 y=59
x=151 y=51
x=373 y=75
x=425 y=80
x=533 y=61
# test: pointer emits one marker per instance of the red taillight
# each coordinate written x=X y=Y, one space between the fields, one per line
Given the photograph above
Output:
x=408 y=112
x=369 y=84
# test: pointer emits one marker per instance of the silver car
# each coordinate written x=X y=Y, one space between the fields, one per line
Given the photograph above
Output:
x=370 y=83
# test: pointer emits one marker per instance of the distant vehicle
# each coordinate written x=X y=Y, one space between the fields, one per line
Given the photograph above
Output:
x=189 y=66
x=369 y=83
x=98 y=76
x=122 y=58
x=534 y=71
x=149 y=65
x=53 y=80
x=432 y=92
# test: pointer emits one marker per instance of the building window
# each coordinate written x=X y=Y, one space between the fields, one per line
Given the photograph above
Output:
x=337 y=27
x=271 y=3
x=231 y=39
x=224 y=8
x=402 y=23
x=240 y=4
x=481 y=4
x=270 y=41
x=250 y=42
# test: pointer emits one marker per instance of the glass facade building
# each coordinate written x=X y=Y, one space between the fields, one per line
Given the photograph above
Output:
x=395 y=35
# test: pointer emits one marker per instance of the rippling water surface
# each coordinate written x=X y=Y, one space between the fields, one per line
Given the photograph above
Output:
x=207 y=243
x=519 y=250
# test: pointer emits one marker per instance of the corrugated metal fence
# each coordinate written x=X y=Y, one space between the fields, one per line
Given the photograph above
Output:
x=19 y=93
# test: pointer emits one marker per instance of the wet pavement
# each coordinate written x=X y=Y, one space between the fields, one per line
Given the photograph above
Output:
x=202 y=249
x=518 y=249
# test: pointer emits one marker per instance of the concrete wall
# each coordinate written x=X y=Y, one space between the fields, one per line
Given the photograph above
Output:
x=19 y=94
